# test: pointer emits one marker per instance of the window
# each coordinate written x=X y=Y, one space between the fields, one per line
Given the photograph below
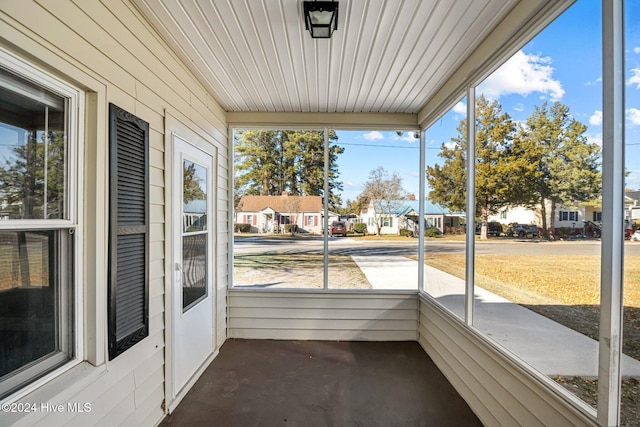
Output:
x=38 y=239
x=387 y=221
x=568 y=215
x=249 y=219
x=288 y=172
x=310 y=220
x=597 y=216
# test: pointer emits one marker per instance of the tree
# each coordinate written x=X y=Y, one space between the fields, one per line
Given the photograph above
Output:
x=274 y=162
x=257 y=162
x=293 y=207
x=32 y=181
x=192 y=182
x=546 y=160
x=383 y=192
x=563 y=166
x=496 y=166
x=352 y=207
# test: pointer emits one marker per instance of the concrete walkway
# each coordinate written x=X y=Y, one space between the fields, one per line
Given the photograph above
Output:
x=545 y=345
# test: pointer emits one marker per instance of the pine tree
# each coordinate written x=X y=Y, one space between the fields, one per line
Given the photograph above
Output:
x=548 y=159
x=32 y=180
x=564 y=167
x=495 y=168
x=274 y=162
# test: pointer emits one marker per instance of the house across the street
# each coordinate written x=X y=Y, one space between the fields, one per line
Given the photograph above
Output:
x=578 y=219
x=396 y=215
x=270 y=214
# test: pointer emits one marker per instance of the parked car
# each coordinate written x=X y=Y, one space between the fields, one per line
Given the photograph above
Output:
x=337 y=228
x=494 y=228
x=522 y=230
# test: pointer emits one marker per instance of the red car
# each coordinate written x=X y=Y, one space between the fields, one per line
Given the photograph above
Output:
x=337 y=228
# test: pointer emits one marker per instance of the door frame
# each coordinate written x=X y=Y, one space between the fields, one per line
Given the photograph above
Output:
x=174 y=127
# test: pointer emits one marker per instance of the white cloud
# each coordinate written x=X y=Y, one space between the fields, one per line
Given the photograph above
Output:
x=519 y=107
x=460 y=108
x=595 y=139
x=373 y=135
x=450 y=145
x=596 y=118
x=523 y=74
x=410 y=137
x=634 y=80
x=633 y=116
x=406 y=136
x=595 y=82
x=636 y=49
x=632 y=180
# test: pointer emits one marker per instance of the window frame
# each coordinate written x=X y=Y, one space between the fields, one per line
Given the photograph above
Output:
x=568 y=216
x=70 y=247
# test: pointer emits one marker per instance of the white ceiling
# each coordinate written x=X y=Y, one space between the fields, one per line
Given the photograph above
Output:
x=387 y=56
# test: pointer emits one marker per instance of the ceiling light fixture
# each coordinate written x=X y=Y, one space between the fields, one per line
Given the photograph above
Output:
x=321 y=18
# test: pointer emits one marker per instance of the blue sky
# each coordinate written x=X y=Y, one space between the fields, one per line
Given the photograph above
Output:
x=562 y=63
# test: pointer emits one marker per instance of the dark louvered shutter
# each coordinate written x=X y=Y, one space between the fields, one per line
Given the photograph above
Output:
x=128 y=230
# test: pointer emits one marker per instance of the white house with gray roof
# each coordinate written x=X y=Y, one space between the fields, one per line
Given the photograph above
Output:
x=403 y=214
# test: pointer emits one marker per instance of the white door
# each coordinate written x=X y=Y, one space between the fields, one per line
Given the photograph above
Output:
x=193 y=244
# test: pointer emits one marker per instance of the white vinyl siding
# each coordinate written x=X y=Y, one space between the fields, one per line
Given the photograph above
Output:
x=498 y=390
x=109 y=50
x=370 y=316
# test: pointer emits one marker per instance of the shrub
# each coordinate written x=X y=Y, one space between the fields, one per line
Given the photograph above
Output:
x=360 y=227
x=406 y=233
x=242 y=228
x=291 y=228
x=564 y=232
x=431 y=232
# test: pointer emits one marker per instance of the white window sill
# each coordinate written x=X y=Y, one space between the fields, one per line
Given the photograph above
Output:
x=32 y=403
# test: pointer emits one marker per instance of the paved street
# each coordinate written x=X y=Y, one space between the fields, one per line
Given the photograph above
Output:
x=402 y=248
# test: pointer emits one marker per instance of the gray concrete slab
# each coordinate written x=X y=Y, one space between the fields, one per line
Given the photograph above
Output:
x=539 y=342
x=321 y=383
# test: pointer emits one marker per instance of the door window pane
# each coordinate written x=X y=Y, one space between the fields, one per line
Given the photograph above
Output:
x=194 y=272
x=194 y=241
x=194 y=195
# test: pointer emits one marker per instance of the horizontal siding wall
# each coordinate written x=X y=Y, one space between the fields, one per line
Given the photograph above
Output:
x=107 y=49
x=357 y=316
x=496 y=389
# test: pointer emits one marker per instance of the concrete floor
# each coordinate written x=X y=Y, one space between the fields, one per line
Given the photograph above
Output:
x=321 y=383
